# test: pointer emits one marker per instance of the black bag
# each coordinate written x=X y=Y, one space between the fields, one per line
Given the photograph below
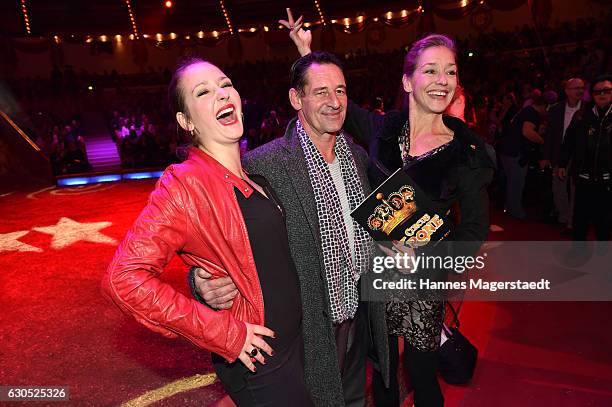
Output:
x=457 y=356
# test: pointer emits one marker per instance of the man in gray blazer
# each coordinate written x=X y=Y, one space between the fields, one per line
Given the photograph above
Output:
x=319 y=174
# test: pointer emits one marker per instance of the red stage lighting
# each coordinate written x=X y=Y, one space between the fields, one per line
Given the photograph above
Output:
x=168 y=4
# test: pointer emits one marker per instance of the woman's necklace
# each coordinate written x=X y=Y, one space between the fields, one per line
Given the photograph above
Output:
x=404 y=143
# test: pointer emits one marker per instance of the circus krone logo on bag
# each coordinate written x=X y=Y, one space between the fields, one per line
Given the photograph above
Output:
x=397 y=209
x=394 y=210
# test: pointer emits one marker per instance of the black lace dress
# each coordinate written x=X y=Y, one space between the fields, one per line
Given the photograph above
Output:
x=456 y=173
x=420 y=322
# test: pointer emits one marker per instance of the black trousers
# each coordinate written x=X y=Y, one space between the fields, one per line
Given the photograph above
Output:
x=592 y=204
x=352 y=338
x=422 y=367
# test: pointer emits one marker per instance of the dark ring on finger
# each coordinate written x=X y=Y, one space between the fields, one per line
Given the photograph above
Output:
x=253 y=352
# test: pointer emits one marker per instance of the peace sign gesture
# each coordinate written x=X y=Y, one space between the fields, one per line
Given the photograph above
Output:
x=300 y=37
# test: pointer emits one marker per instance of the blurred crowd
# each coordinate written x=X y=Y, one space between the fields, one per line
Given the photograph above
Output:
x=500 y=72
x=139 y=124
x=62 y=141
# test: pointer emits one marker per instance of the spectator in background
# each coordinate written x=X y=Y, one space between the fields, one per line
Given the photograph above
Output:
x=550 y=97
x=271 y=127
x=77 y=129
x=130 y=149
x=122 y=134
x=459 y=108
x=145 y=125
x=527 y=94
x=150 y=148
x=74 y=159
x=68 y=135
x=587 y=149
x=559 y=119
x=503 y=114
x=518 y=148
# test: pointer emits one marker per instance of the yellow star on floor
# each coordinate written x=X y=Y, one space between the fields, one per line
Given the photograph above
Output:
x=9 y=242
x=68 y=231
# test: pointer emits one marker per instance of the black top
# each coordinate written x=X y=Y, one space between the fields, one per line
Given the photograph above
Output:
x=432 y=170
x=513 y=143
x=265 y=222
x=275 y=268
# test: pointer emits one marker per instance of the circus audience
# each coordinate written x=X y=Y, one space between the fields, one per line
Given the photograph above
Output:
x=63 y=143
x=142 y=141
x=515 y=84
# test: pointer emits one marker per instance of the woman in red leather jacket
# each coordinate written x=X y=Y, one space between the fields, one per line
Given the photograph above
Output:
x=214 y=215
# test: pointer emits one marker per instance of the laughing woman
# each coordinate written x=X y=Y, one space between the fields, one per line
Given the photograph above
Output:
x=449 y=163
x=214 y=215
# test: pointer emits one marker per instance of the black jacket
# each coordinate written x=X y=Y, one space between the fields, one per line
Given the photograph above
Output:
x=554 y=133
x=587 y=147
x=468 y=186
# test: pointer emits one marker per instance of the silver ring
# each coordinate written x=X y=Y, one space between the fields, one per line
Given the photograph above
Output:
x=253 y=352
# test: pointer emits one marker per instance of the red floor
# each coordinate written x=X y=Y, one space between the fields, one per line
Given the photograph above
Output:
x=58 y=330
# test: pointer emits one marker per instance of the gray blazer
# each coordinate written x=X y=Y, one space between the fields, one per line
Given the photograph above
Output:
x=282 y=162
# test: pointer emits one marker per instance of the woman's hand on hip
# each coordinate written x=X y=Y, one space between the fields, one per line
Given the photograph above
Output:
x=254 y=340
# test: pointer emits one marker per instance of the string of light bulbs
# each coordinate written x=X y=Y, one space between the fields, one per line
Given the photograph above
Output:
x=227 y=19
x=26 y=19
x=132 y=19
x=345 y=23
x=321 y=16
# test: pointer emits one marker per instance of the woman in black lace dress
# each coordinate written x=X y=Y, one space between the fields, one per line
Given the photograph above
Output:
x=449 y=163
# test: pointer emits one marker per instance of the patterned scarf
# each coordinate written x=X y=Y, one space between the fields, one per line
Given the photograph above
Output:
x=341 y=272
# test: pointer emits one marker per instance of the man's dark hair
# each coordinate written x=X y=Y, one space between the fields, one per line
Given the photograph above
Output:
x=299 y=67
x=600 y=78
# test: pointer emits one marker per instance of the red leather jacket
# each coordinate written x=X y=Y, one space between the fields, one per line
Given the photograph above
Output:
x=192 y=212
